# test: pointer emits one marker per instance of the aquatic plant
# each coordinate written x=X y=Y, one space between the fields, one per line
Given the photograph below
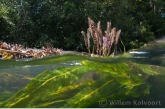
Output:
x=86 y=84
x=102 y=45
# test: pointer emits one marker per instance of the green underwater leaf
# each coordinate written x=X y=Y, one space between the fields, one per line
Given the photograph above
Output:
x=151 y=69
x=85 y=85
x=91 y=95
x=120 y=71
x=43 y=85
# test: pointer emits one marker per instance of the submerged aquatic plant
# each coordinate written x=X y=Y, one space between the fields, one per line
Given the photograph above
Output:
x=86 y=84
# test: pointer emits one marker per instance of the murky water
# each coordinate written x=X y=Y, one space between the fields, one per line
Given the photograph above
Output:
x=16 y=74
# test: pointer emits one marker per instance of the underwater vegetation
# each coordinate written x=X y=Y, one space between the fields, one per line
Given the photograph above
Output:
x=85 y=85
x=133 y=79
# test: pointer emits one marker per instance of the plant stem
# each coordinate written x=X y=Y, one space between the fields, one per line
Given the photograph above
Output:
x=122 y=44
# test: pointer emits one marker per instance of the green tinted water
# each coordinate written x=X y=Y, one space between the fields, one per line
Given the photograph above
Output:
x=16 y=74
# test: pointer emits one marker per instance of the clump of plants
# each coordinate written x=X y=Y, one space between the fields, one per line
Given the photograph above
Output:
x=102 y=45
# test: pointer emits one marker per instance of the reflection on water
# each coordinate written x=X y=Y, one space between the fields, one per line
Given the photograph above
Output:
x=16 y=74
x=139 y=52
x=153 y=54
